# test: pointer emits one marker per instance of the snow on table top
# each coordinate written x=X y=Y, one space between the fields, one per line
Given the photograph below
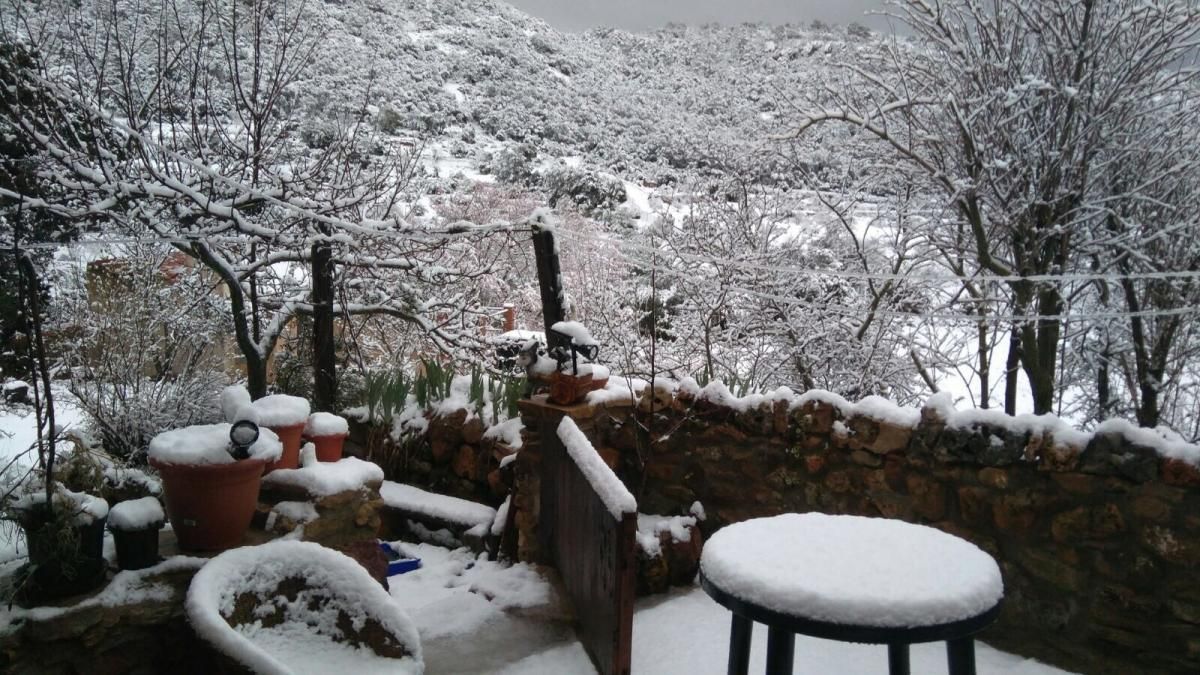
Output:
x=209 y=444
x=337 y=584
x=326 y=424
x=327 y=478
x=136 y=514
x=441 y=507
x=611 y=490
x=853 y=570
x=281 y=410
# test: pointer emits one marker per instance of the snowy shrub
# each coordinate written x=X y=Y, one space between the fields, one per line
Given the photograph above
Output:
x=591 y=191
x=146 y=351
x=513 y=164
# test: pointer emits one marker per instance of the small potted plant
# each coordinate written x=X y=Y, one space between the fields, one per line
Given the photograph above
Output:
x=328 y=433
x=211 y=475
x=64 y=536
x=135 y=525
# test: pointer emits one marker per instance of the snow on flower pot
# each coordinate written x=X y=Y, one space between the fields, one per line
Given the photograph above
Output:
x=135 y=525
x=286 y=416
x=65 y=544
x=210 y=496
x=598 y=372
x=296 y=606
x=328 y=433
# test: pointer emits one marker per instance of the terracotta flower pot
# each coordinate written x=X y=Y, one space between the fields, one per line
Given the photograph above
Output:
x=329 y=448
x=290 y=437
x=210 y=505
x=566 y=389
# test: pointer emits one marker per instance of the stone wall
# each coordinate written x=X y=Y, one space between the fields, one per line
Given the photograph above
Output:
x=1098 y=536
x=452 y=457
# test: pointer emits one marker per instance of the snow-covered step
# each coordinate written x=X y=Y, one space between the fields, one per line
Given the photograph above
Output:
x=412 y=513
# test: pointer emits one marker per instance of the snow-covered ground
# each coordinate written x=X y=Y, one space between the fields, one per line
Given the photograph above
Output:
x=476 y=616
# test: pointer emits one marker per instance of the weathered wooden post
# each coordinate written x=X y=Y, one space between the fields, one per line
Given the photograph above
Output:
x=545 y=252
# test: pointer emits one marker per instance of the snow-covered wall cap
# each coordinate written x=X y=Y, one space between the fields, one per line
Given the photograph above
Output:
x=616 y=497
x=1164 y=441
x=440 y=507
x=233 y=399
x=326 y=424
x=209 y=444
x=345 y=585
x=578 y=333
x=328 y=478
x=136 y=514
x=281 y=410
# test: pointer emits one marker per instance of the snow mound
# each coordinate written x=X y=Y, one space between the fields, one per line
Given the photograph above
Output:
x=136 y=514
x=280 y=410
x=309 y=610
x=327 y=478
x=209 y=444
x=233 y=399
x=853 y=570
x=507 y=432
x=326 y=424
x=650 y=528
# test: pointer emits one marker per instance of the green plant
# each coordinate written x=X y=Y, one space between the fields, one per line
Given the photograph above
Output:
x=385 y=393
x=476 y=394
x=433 y=384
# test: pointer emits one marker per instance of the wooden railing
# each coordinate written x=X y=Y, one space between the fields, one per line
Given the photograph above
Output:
x=592 y=547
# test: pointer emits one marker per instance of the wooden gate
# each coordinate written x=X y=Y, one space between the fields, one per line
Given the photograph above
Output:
x=592 y=549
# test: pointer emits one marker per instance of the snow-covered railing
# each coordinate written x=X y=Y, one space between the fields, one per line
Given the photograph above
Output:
x=588 y=525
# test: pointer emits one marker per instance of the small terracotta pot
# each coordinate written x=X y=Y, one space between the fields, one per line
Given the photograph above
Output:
x=566 y=389
x=599 y=384
x=329 y=448
x=289 y=436
x=210 y=505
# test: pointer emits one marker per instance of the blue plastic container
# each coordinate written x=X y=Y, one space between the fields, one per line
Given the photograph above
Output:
x=397 y=563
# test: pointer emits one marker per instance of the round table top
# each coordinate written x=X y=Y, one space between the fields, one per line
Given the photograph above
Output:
x=868 y=572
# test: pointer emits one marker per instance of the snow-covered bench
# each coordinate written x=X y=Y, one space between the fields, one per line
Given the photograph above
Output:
x=298 y=607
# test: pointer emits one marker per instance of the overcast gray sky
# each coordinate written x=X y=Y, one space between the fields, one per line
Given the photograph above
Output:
x=649 y=14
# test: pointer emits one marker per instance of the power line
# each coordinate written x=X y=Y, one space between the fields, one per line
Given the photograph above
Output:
x=860 y=313
x=879 y=276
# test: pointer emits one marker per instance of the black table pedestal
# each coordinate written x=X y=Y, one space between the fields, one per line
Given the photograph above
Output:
x=739 y=645
x=781 y=647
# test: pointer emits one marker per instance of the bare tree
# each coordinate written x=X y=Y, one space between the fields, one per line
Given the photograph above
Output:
x=1015 y=111
x=204 y=99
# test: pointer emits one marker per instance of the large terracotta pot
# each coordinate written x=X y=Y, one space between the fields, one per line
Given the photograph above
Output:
x=329 y=448
x=210 y=505
x=289 y=436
